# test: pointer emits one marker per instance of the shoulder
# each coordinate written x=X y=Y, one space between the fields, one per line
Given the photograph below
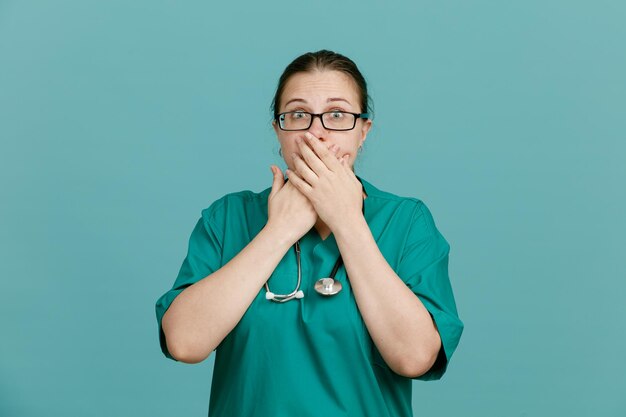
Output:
x=413 y=210
x=236 y=202
x=387 y=197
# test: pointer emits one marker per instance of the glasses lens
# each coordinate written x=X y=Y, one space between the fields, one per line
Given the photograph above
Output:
x=295 y=120
x=338 y=120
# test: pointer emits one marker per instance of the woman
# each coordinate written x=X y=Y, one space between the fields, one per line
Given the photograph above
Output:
x=368 y=309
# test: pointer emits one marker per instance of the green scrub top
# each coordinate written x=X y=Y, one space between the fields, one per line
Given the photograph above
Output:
x=314 y=356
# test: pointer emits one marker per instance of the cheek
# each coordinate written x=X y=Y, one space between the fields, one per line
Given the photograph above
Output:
x=354 y=146
x=289 y=146
x=287 y=142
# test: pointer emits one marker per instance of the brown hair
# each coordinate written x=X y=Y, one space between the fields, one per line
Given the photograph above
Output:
x=324 y=60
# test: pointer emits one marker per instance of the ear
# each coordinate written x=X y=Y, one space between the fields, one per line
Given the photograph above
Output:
x=275 y=126
x=365 y=128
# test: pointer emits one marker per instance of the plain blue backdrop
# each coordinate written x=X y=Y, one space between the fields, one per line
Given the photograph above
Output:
x=120 y=121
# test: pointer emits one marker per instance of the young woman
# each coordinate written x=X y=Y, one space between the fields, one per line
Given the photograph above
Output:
x=322 y=294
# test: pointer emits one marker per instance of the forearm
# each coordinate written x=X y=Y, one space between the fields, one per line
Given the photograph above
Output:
x=202 y=315
x=399 y=324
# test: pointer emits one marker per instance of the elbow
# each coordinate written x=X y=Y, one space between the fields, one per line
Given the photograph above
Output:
x=414 y=369
x=185 y=350
x=186 y=354
x=179 y=347
x=417 y=365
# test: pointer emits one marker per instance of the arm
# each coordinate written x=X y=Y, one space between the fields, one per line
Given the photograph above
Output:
x=203 y=314
x=398 y=320
x=200 y=312
x=401 y=327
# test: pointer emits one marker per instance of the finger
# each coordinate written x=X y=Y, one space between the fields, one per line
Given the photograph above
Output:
x=301 y=165
x=278 y=180
x=331 y=148
x=303 y=170
x=314 y=144
x=311 y=158
x=345 y=162
x=298 y=182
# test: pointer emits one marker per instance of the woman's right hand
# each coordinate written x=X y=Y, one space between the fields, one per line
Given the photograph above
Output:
x=290 y=213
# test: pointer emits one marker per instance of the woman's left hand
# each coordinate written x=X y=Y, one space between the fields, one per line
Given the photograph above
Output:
x=329 y=183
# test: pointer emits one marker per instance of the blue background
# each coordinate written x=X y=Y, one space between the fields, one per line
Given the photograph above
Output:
x=120 y=121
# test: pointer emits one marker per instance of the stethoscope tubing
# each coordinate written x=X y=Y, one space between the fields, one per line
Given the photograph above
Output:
x=281 y=298
x=297 y=293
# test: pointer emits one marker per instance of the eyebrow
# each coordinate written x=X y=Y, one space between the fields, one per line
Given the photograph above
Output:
x=330 y=100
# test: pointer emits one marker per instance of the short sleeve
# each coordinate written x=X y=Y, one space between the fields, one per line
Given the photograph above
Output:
x=423 y=266
x=204 y=256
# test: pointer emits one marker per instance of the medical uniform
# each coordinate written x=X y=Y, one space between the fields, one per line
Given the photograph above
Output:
x=314 y=356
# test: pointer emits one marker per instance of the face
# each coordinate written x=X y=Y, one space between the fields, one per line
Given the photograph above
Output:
x=318 y=92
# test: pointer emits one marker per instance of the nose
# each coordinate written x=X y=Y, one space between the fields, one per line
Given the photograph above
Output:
x=317 y=128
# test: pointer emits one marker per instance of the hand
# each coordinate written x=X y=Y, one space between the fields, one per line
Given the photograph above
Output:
x=328 y=183
x=289 y=212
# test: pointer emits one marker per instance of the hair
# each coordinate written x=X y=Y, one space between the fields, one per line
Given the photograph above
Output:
x=324 y=60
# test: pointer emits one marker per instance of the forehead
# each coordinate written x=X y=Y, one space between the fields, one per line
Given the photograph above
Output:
x=317 y=86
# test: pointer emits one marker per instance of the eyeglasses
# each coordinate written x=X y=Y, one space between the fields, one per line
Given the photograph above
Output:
x=331 y=120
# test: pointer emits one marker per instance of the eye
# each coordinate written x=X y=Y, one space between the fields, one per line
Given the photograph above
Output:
x=297 y=115
x=336 y=115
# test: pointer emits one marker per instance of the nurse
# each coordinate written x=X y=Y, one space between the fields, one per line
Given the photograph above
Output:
x=322 y=294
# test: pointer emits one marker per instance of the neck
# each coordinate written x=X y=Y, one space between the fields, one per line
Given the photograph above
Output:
x=322 y=229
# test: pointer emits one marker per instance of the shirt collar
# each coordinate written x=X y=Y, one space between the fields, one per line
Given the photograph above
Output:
x=370 y=190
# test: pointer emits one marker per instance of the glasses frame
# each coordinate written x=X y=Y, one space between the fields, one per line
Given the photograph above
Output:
x=314 y=115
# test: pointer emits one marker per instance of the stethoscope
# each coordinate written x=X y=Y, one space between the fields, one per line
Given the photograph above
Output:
x=325 y=286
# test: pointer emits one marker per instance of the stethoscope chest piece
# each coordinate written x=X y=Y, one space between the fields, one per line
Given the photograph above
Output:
x=327 y=286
